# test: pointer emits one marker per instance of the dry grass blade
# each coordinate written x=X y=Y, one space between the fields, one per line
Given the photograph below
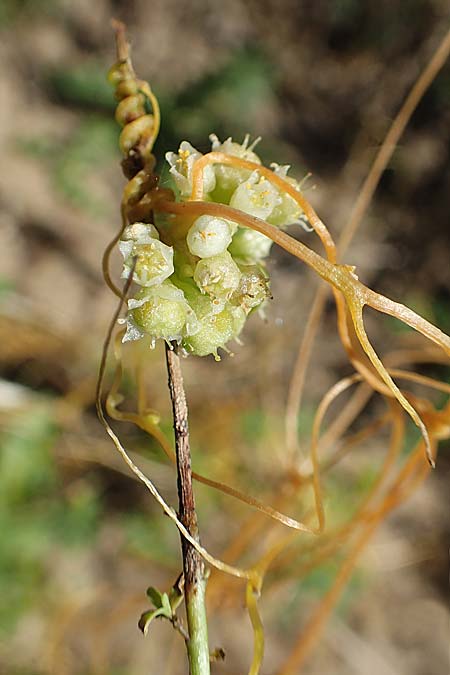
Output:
x=363 y=200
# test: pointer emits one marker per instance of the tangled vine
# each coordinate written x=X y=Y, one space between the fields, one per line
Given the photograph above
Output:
x=194 y=268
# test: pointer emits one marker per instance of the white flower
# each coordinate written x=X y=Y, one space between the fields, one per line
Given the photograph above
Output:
x=152 y=261
x=256 y=196
x=181 y=165
x=287 y=211
x=229 y=177
x=230 y=147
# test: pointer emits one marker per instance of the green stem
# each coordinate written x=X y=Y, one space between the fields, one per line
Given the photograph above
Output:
x=197 y=647
x=193 y=566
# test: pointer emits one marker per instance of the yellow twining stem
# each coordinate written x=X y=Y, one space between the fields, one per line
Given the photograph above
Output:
x=340 y=277
x=345 y=328
x=251 y=600
x=251 y=575
x=146 y=422
x=283 y=185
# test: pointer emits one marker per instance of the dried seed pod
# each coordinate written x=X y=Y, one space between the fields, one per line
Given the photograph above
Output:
x=253 y=288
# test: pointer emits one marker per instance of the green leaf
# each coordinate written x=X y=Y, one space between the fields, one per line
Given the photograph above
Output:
x=147 y=617
x=163 y=609
x=166 y=606
x=175 y=598
x=155 y=596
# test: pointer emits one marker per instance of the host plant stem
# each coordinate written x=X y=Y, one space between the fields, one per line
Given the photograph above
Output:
x=193 y=566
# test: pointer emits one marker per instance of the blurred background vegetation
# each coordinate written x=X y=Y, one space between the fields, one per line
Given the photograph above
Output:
x=81 y=540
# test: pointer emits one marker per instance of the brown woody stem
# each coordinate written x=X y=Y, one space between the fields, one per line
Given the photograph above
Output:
x=122 y=47
x=193 y=566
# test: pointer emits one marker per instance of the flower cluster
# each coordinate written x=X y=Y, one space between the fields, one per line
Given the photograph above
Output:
x=200 y=278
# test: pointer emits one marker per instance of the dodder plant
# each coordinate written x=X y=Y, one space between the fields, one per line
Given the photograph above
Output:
x=194 y=270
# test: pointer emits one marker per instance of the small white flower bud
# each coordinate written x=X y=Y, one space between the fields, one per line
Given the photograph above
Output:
x=249 y=245
x=287 y=211
x=136 y=233
x=208 y=236
x=140 y=233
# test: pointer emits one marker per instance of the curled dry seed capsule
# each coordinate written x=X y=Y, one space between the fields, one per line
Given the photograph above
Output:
x=218 y=276
x=208 y=236
x=127 y=87
x=121 y=77
x=133 y=132
x=249 y=245
x=130 y=108
x=255 y=196
x=119 y=72
x=161 y=312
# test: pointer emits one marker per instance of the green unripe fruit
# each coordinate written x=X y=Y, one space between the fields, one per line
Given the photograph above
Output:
x=161 y=312
x=249 y=245
x=218 y=276
x=184 y=264
x=215 y=331
x=202 y=304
